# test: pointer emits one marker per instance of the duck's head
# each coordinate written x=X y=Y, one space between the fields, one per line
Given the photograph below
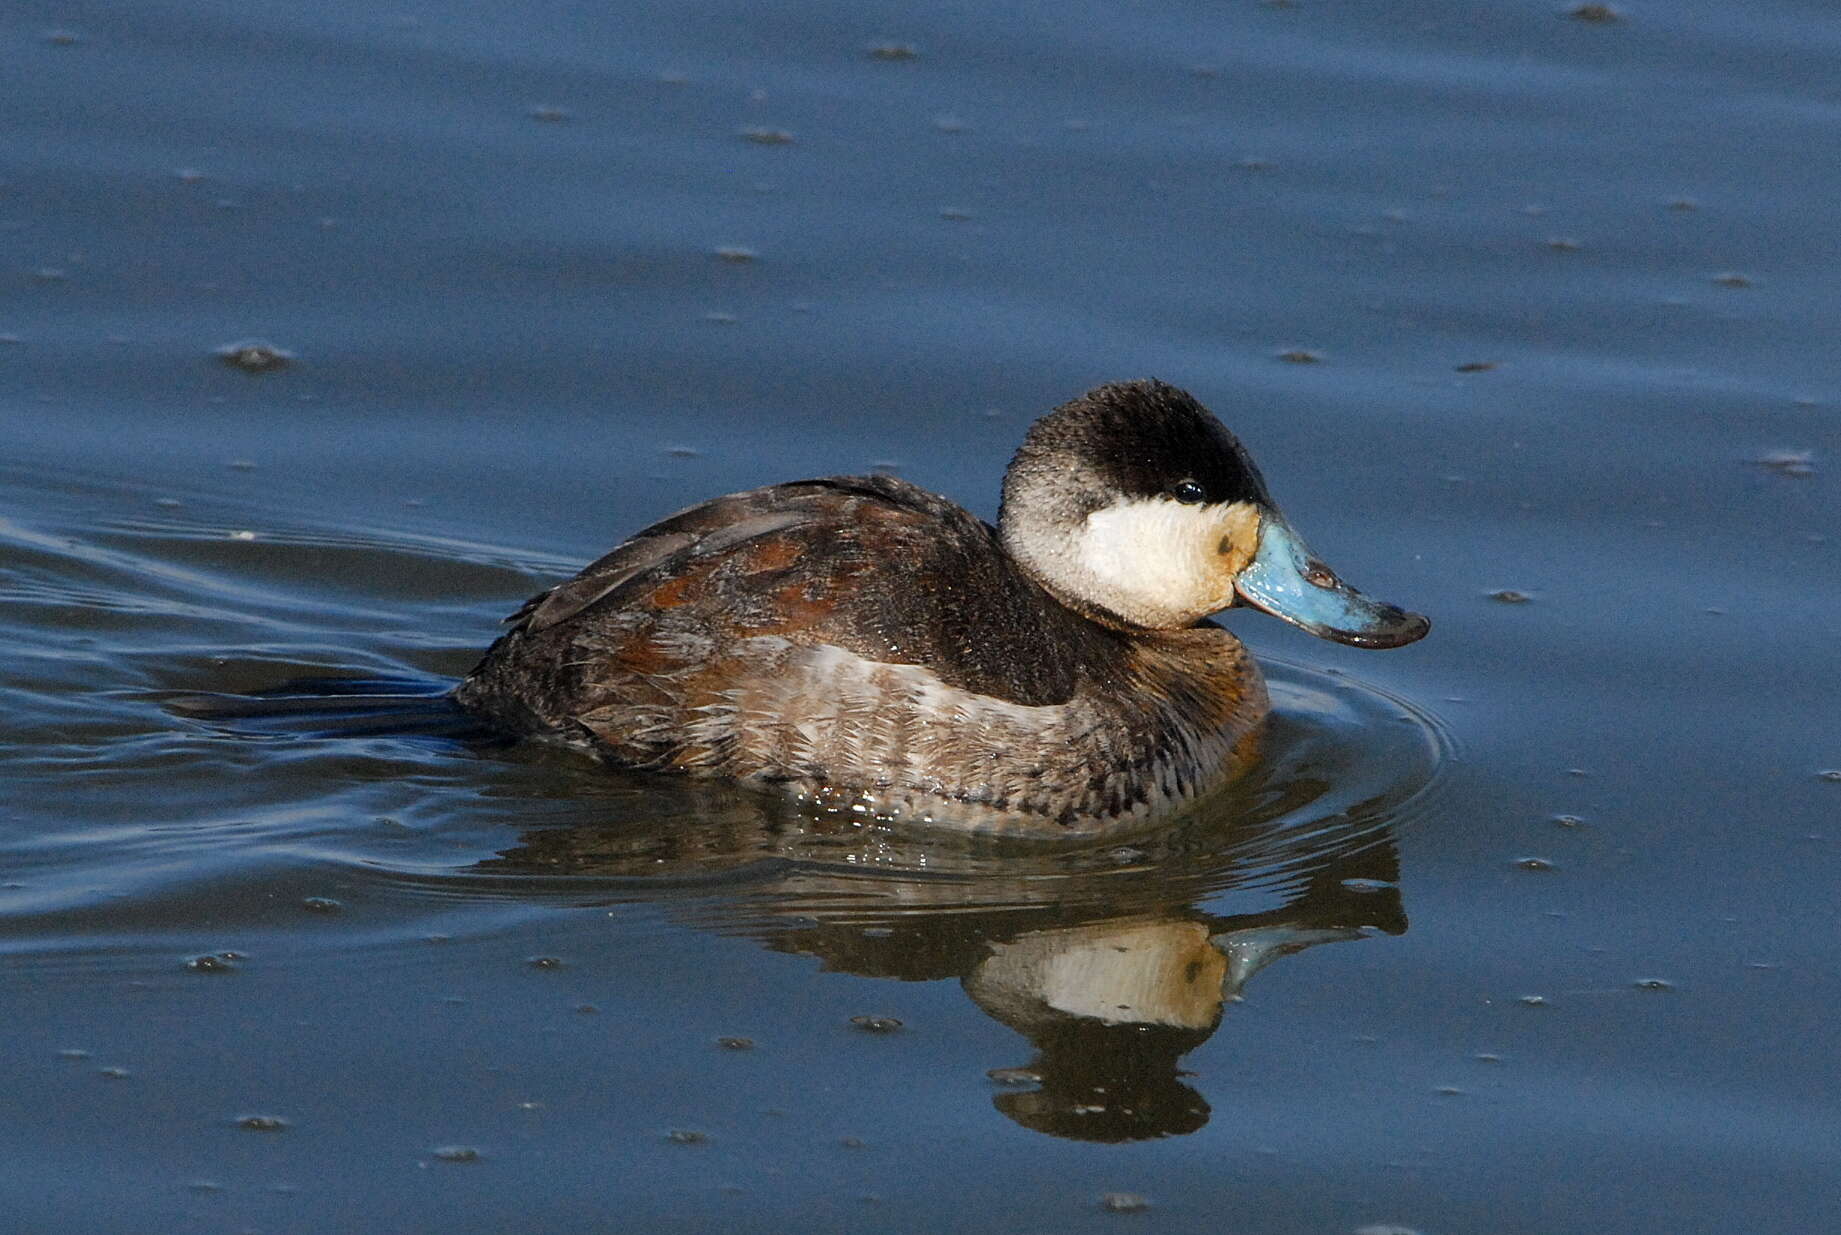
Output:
x=1133 y=504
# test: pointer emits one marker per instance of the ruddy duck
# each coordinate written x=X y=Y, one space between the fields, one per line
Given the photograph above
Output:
x=870 y=646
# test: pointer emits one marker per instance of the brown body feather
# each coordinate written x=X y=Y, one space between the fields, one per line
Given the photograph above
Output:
x=869 y=644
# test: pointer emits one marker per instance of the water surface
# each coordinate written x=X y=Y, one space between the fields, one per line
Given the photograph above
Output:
x=1528 y=928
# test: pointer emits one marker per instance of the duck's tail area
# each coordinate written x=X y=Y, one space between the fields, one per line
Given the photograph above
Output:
x=339 y=707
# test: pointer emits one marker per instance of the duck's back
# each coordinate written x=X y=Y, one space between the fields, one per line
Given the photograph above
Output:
x=862 y=638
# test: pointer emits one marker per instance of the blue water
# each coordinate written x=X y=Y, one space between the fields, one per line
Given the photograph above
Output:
x=1527 y=928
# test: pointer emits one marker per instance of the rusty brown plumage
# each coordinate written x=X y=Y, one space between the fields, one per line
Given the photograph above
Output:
x=765 y=637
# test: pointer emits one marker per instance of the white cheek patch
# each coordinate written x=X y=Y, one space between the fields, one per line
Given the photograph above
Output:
x=1161 y=562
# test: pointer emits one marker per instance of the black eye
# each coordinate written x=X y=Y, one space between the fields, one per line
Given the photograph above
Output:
x=1189 y=491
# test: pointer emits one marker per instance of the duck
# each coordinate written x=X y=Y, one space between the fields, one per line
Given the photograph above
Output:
x=872 y=649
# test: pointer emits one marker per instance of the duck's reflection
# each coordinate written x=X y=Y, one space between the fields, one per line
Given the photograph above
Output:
x=1113 y=962
x=1112 y=1005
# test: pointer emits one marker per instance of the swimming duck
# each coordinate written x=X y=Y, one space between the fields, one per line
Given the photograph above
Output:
x=872 y=647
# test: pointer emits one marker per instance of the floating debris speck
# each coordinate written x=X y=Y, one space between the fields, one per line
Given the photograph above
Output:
x=1787 y=462
x=1300 y=355
x=876 y=1024
x=1123 y=1203
x=254 y=356
x=1602 y=14
x=893 y=51
x=262 y=1123
x=1476 y=366
x=736 y=253
x=1015 y=1076
x=768 y=137
x=214 y=962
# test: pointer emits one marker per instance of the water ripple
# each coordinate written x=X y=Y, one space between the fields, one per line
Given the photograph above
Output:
x=162 y=791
